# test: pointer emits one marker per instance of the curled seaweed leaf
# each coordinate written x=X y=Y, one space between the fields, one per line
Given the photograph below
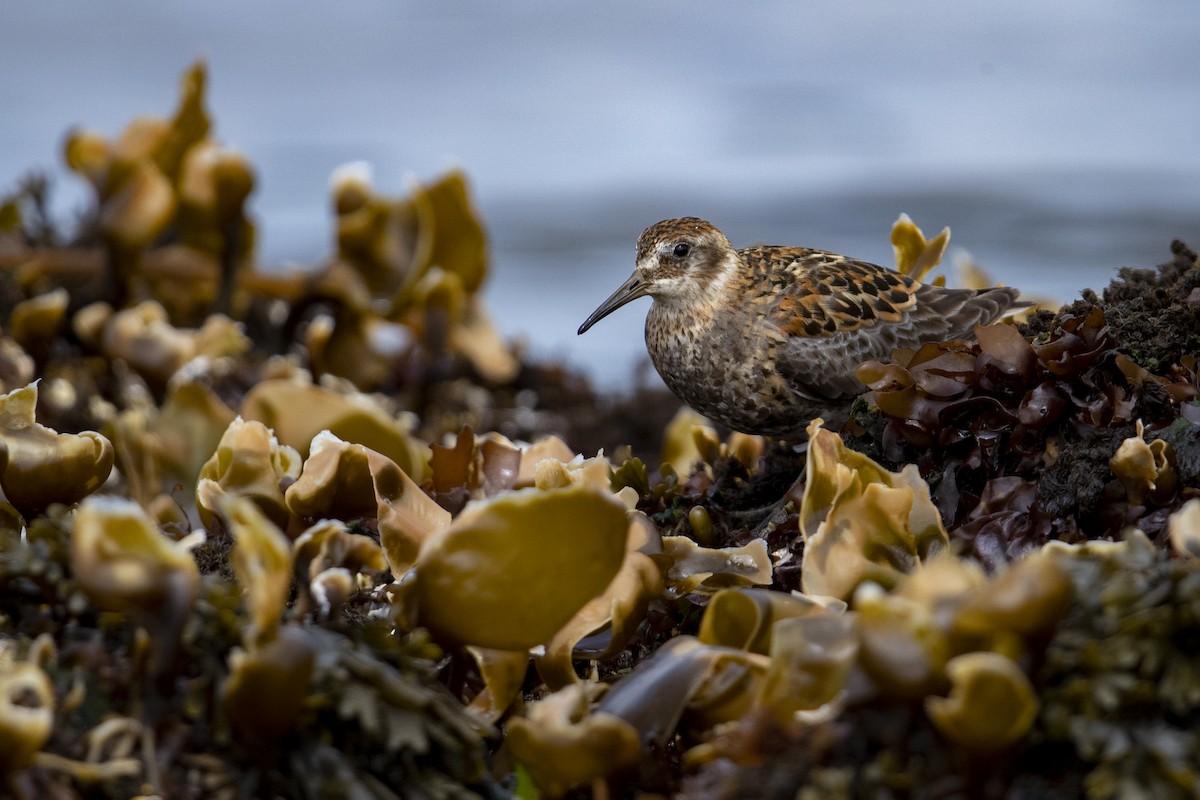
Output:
x=1029 y=599
x=503 y=673
x=408 y=517
x=39 y=318
x=564 y=746
x=262 y=561
x=860 y=521
x=811 y=658
x=1184 y=527
x=531 y=456
x=691 y=567
x=915 y=255
x=297 y=412
x=1147 y=469
x=533 y=558
x=188 y=428
x=268 y=684
x=707 y=683
x=144 y=338
x=904 y=649
x=475 y=466
x=122 y=562
x=335 y=481
x=991 y=704
x=609 y=621
x=683 y=438
x=327 y=545
x=249 y=462
x=27 y=706
x=40 y=466
x=745 y=618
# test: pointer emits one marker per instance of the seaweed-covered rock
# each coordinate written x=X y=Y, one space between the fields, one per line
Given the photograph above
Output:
x=1009 y=526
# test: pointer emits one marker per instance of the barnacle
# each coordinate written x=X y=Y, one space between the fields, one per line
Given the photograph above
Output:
x=41 y=466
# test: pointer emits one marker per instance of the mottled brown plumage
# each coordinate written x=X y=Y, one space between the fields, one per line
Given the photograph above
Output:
x=765 y=338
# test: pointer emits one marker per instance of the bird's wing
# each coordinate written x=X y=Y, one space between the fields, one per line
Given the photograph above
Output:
x=836 y=312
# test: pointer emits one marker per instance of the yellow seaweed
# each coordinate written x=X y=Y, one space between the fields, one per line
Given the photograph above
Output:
x=27 y=707
x=690 y=567
x=43 y=466
x=744 y=618
x=1184 y=529
x=610 y=620
x=262 y=562
x=860 y=521
x=267 y=685
x=38 y=318
x=297 y=412
x=123 y=563
x=1147 y=469
x=916 y=256
x=532 y=559
x=991 y=704
x=564 y=746
x=345 y=480
x=249 y=462
x=811 y=658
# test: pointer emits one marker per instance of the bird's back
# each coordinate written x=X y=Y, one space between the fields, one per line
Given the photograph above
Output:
x=836 y=312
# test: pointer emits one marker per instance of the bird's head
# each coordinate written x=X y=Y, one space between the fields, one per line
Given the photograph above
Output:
x=683 y=261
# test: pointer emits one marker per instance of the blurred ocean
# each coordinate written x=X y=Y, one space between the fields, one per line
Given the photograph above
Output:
x=1058 y=141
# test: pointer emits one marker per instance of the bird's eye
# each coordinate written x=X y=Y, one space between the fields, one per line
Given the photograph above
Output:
x=681 y=250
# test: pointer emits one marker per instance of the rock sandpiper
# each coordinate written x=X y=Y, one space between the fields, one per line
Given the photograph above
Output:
x=763 y=339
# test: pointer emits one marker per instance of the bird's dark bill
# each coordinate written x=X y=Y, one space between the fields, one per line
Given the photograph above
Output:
x=631 y=289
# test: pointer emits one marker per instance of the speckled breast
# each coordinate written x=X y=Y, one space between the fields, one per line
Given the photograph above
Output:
x=726 y=371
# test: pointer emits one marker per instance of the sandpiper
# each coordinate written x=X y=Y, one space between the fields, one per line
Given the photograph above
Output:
x=763 y=339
